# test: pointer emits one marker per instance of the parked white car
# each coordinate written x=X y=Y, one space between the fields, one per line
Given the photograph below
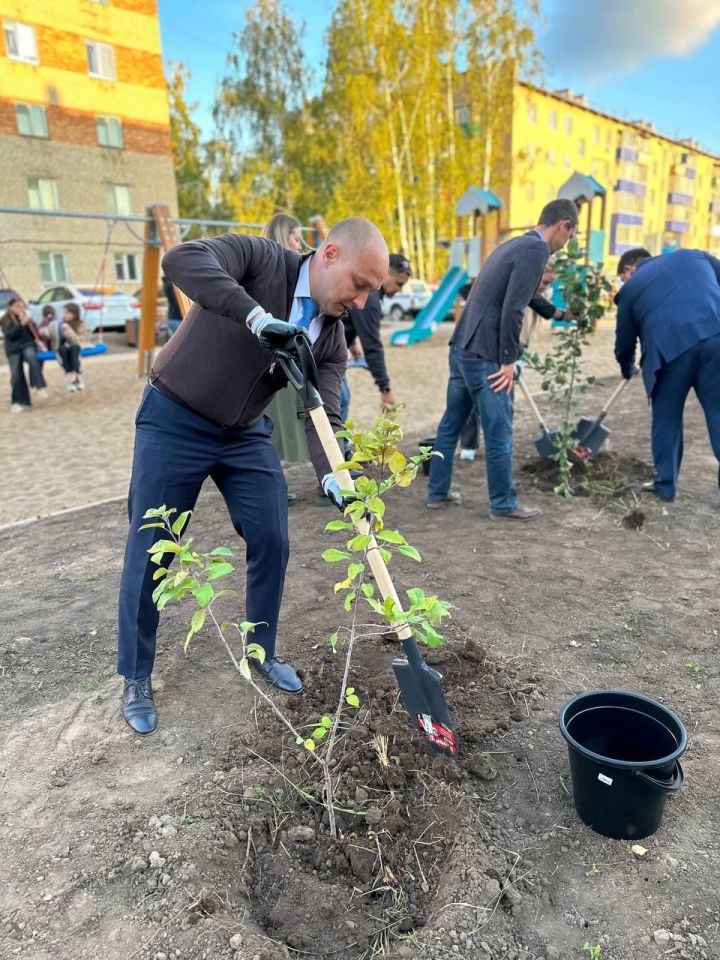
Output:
x=104 y=307
x=411 y=299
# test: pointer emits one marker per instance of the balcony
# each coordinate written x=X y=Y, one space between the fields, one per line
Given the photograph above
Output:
x=626 y=153
x=683 y=199
x=630 y=186
x=676 y=226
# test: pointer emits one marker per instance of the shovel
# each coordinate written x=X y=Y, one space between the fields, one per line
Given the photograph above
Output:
x=420 y=686
x=545 y=443
x=592 y=434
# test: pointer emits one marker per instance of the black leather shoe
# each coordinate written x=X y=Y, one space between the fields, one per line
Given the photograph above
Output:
x=138 y=706
x=279 y=674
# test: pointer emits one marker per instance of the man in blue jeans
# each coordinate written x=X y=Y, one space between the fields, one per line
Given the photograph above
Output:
x=484 y=351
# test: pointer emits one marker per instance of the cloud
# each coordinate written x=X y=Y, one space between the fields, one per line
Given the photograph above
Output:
x=599 y=39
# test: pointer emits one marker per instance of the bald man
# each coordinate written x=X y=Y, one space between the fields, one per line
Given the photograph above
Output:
x=202 y=415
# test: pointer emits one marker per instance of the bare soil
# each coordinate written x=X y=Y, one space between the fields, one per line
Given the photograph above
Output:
x=207 y=840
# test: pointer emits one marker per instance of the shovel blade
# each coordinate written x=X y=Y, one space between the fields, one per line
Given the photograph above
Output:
x=545 y=444
x=424 y=700
x=589 y=441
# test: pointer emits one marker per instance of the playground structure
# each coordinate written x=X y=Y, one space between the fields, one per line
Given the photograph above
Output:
x=583 y=190
x=466 y=257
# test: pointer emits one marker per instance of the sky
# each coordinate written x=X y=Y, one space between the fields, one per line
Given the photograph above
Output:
x=654 y=60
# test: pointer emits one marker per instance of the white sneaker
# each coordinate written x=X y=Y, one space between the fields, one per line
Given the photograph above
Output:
x=79 y=385
x=468 y=454
x=72 y=387
x=41 y=393
x=17 y=408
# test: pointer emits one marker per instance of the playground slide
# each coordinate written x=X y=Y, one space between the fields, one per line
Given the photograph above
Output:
x=440 y=304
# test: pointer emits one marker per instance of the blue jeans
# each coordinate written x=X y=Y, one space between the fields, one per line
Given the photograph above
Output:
x=697 y=368
x=468 y=389
x=176 y=450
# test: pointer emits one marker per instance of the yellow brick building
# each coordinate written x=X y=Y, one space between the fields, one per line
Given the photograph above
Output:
x=660 y=193
x=84 y=126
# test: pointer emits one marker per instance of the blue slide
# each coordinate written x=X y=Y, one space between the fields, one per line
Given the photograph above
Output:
x=439 y=305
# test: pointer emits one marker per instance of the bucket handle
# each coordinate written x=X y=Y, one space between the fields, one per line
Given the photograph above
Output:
x=670 y=785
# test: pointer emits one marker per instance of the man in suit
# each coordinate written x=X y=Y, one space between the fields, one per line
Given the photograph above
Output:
x=484 y=350
x=202 y=416
x=671 y=304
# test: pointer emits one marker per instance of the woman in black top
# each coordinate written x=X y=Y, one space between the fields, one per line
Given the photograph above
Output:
x=20 y=347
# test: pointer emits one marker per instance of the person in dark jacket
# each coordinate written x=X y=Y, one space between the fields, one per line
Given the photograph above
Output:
x=484 y=350
x=364 y=325
x=21 y=347
x=202 y=415
x=671 y=304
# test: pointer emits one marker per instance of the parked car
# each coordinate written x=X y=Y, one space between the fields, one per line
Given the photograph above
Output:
x=104 y=307
x=411 y=299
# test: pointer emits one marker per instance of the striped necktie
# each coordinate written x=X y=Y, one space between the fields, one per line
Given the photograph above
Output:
x=309 y=311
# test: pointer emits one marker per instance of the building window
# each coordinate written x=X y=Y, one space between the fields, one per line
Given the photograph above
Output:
x=552 y=119
x=109 y=132
x=53 y=267
x=127 y=267
x=530 y=191
x=551 y=158
x=532 y=113
x=31 y=120
x=566 y=161
x=608 y=139
x=100 y=60
x=118 y=199
x=596 y=134
x=568 y=125
x=581 y=147
x=43 y=193
x=20 y=41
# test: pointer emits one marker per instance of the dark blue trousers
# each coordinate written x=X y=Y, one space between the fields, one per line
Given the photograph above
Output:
x=176 y=450
x=697 y=368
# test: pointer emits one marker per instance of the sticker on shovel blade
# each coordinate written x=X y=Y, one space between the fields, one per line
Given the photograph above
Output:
x=436 y=733
x=603 y=779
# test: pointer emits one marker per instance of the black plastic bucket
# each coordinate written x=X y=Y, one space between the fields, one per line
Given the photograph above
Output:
x=624 y=759
x=429 y=442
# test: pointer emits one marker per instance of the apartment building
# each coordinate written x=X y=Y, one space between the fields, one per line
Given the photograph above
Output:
x=661 y=193
x=84 y=126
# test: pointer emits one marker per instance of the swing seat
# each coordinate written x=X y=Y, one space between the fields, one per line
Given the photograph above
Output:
x=95 y=350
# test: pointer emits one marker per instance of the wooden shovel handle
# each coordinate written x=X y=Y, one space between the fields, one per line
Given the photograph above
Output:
x=614 y=395
x=377 y=564
x=533 y=406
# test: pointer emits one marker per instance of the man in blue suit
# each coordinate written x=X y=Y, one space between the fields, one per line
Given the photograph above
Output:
x=671 y=304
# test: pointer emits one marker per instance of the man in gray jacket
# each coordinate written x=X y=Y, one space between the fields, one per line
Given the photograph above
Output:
x=483 y=352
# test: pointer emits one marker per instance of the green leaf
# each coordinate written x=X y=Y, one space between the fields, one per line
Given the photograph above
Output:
x=318 y=733
x=376 y=506
x=309 y=745
x=334 y=556
x=368 y=589
x=354 y=569
x=385 y=554
x=409 y=551
x=416 y=596
x=221 y=552
x=247 y=627
x=257 y=652
x=204 y=594
x=376 y=605
x=198 y=619
x=298 y=740
x=390 y=536
x=160 y=572
x=432 y=637
x=397 y=462
x=244 y=668
x=332 y=640
x=219 y=570
x=352 y=700
x=180 y=522
x=360 y=542
x=326 y=722
x=165 y=546
x=156 y=557
x=349 y=598
x=147 y=526
x=338 y=525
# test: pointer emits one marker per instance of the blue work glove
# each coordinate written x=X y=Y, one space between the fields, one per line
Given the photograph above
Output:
x=274 y=333
x=331 y=489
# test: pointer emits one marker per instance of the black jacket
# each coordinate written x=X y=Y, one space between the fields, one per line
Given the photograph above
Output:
x=17 y=335
x=214 y=364
x=491 y=322
x=365 y=324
